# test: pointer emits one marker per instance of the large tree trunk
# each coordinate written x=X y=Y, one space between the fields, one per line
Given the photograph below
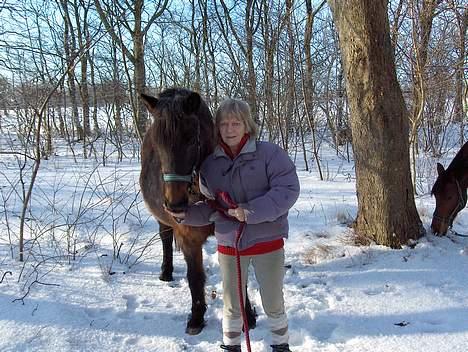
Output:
x=379 y=122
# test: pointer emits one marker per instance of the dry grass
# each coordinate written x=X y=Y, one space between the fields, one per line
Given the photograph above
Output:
x=352 y=238
x=344 y=219
x=318 y=254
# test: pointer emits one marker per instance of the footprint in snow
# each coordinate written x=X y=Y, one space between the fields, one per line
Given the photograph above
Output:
x=96 y=313
x=146 y=303
x=131 y=341
x=325 y=331
x=379 y=290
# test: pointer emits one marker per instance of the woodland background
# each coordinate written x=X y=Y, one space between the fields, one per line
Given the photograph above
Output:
x=69 y=59
x=71 y=72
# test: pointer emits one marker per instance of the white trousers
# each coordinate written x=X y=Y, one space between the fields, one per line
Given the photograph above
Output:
x=269 y=272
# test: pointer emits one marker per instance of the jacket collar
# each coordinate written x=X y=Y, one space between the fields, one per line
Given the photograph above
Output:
x=249 y=147
x=227 y=149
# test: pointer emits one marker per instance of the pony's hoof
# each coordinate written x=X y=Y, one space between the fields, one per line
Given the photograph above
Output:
x=166 y=277
x=194 y=330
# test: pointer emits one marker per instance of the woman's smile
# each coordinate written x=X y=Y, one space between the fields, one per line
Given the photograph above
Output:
x=232 y=130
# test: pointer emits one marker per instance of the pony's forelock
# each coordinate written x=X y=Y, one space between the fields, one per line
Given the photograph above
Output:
x=166 y=121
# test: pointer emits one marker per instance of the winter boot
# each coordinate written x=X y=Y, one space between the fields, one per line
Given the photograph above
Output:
x=284 y=347
x=232 y=348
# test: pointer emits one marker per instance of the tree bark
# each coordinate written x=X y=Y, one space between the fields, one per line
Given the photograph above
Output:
x=379 y=121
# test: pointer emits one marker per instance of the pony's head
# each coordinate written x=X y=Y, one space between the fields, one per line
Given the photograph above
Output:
x=450 y=198
x=181 y=135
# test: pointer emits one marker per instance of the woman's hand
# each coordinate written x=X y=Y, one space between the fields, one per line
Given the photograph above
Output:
x=237 y=213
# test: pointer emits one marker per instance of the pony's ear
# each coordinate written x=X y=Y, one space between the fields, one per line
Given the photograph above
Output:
x=440 y=169
x=191 y=103
x=149 y=101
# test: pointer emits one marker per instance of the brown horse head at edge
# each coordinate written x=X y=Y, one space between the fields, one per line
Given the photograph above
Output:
x=450 y=191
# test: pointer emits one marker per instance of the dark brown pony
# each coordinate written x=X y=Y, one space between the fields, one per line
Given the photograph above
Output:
x=450 y=191
x=180 y=137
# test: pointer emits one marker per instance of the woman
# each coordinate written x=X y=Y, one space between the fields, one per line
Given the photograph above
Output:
x=261 y=179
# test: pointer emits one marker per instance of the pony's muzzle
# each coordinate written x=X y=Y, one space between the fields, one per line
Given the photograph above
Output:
x=176 y=196
x=176 y=208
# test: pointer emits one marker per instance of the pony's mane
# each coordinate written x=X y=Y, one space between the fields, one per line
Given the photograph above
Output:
x=439 y=184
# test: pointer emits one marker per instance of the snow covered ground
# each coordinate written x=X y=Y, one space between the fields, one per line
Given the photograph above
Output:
x=91 y=284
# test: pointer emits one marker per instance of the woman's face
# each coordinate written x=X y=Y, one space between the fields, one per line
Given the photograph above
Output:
x=232 y=129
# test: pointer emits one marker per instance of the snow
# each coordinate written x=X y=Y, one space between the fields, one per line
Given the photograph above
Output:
x=339 y=297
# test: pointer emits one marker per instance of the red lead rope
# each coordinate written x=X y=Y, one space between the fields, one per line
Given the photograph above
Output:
x=239 y=287
x=232 y=205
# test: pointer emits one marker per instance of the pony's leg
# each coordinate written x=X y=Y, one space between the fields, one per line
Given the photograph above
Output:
x=250 y=312
x=167 y=237
x=196 y=280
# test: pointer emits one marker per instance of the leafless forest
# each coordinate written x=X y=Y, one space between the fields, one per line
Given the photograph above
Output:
x=73 y=69
x=71 y=72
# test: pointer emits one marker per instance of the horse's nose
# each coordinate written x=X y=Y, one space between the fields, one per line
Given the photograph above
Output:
x=176 y=196
x=176 y=207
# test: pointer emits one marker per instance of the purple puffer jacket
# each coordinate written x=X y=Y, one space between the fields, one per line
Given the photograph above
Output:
x=262 y=179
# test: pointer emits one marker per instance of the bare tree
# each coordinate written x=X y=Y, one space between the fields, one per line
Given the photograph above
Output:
x=245 y=43
x=129 y=16
x=208 y=51
x=379 y=121
x=421 y=36
x=461 y=89
x=69 y=43
x=81 y=17
x=308 y=85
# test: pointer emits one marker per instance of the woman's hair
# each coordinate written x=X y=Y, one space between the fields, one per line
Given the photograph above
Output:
x=239 y=109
